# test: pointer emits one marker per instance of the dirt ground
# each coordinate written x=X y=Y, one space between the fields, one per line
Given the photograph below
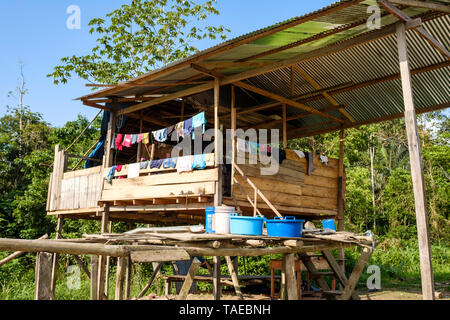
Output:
x=383 y=294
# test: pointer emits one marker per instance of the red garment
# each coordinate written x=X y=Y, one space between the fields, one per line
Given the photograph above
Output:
x=119 y=141
x=127 y=141
x=119 y=168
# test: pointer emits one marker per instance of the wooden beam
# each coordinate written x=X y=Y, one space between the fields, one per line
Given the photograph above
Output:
x=415 y=154
x=431 y=5
x=59 y=227
x=420 y=30
x=337 y=269
x=205 y=71
x=234 y=278
x=286 y=101
x=356 y=274
x=325 y=94
x=150 y=281
x=17 y=253
x=285 y=139
x=233 y=134
x=193 y=269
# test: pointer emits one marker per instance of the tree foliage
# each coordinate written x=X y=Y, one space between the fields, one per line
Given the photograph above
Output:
x=140 y=37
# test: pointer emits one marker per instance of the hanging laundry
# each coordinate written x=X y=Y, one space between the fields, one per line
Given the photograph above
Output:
x=127 y=141
x=156 y=164
x=170 y=163
x=110 y=175
x=199 y=120
x=133 y=170
x=198 y=162
x=300 y=154
x=310 y=159
x=113 y=142
x=146 y=138
x=188 y=128
x=185 y=164
x=143 y=165
x=253 y=147
x=179 y=127
x=134 y=138
x=119 y=139
x=324 y=159
x=170 y=130
x=139 y=138
x=269 y=149
x=119 y=168
x=160 y=135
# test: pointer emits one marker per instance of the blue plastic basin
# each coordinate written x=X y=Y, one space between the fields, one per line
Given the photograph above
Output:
x=209 y=212
x=329 y=224
x=285 y=227
x=249 y=226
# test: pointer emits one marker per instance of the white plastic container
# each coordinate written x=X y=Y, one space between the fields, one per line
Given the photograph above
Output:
x=221 y=222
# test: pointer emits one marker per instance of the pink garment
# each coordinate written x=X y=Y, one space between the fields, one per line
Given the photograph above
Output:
x=119 y=168
x=127 y=141
x=139 y=139
x=119 y=141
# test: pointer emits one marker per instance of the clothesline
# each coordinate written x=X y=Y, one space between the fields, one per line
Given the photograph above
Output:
x=182 y=129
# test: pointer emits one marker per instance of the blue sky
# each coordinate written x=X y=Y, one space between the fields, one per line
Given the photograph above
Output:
x=35 y=32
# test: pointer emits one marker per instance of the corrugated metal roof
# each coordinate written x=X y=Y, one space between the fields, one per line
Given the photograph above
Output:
x=353 y=66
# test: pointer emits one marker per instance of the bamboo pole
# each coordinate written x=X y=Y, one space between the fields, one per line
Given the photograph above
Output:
x=18 y=253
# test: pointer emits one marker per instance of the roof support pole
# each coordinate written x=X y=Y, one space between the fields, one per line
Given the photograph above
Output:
x=341 y=196
x=415 y=155
x=233 y=135
x=217 y=142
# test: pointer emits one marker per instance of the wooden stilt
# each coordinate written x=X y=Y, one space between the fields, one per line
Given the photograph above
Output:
x=283 y=289
x=313 y=270
x=336 y=268
x=291 y=281
x=284 y=127
x=189 y=279
x=217 y=145
x=119 y=278
x=356 y=274
x=94 y=277
x=102 y=259
x=217 y=287
x=415 y=154
x=108 y=263
x=341 y=201
x=233 y=135
x=234 y=278
x=59 y=227
x=43 y=276
x=128 y=273
x=156 y=269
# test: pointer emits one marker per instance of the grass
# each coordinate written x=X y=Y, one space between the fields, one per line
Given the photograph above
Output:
x=398 y=262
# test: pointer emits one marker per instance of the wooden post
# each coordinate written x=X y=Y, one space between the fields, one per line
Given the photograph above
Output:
x=233 y=135
x=195 y=265
x=234 y=278
x=108 y=263
x=94 y=277
x=415 y=154
x=356 y=274
x=102 y=260
x=141 y=128
x=291 y=281
x=341 y=201
x=119 y=278
x=129 y=269
x=283 y=289
x=217 y=145
x=59 y=227
x=43 y=280
x=217 y=288
x=284 y=127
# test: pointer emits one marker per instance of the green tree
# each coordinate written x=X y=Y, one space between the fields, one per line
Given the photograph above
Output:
x=140 y=37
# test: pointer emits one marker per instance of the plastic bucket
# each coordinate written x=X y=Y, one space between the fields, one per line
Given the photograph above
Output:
x=329 y=224
x=249 y=226
x=285 y=227
x=209 y=220
x=222 y=219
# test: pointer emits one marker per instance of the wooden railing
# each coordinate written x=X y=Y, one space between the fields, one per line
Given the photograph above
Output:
x=257 y=193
